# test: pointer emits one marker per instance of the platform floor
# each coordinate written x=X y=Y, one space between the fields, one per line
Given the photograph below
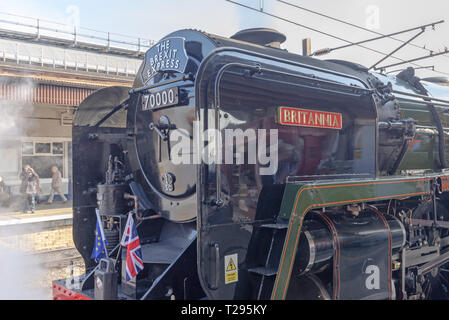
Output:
x=44 y=212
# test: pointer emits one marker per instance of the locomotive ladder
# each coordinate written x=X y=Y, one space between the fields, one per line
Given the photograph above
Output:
x=266 y=274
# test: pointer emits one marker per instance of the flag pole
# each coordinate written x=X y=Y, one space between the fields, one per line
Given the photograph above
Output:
x=103 y=238
x=119 y=251
x=124 y=230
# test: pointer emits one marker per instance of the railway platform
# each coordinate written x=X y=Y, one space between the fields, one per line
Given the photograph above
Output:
x=13 y=221
x=48 y=228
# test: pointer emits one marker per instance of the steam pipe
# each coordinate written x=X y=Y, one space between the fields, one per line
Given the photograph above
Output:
x=139 y=217
x=128 y=196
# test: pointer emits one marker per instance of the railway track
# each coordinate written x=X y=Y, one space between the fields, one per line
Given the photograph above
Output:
x=55 y=258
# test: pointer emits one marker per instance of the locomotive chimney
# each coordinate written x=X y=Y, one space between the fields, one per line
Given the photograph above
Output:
x=261 y=36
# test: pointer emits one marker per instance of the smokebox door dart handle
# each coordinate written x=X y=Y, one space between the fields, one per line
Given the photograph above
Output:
x=163 y=130
x=154 y=127
x=163 y=127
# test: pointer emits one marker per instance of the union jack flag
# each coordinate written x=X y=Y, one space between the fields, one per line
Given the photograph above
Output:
x=130 y=240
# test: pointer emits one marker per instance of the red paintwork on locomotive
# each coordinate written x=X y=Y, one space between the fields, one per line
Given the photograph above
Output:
x=61 y=293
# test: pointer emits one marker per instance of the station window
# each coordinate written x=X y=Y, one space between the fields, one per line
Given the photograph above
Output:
x=27 y=148
x=41 y=156
x=42 y=147
x=57 y=148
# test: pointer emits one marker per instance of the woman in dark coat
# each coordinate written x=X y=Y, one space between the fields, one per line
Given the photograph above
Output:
x=32 y=189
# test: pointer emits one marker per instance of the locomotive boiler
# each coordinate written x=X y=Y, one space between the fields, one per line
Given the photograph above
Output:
x=256 y=173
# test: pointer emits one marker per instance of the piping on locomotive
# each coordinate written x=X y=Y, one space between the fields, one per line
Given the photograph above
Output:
x=357 y=207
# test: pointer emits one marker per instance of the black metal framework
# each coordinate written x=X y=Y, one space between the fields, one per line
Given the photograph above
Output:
x=374 y=66
x=423 y=28
x=431 y=55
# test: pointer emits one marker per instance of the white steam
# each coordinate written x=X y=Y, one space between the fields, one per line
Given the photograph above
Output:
x=21 y=273
x=14 y=108
x=21 y=276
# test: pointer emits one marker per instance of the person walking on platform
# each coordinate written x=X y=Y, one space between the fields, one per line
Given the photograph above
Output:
x=56 y=185
x=23 y=187
x=32 y=189
x=4 y=193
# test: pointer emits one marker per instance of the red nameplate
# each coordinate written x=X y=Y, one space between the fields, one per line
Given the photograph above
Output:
x=309 y=118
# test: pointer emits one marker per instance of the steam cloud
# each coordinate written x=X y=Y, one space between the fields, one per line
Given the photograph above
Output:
x=21 y=276
x=12 y=111
x=21 y=273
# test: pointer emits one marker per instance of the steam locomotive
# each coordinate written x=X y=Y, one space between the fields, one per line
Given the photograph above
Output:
x=353 y=203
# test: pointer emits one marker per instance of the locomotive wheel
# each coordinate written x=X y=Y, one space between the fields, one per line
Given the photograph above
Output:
x=435 y=284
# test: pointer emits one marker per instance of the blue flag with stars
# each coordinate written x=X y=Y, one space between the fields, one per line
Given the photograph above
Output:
x=99 y=250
